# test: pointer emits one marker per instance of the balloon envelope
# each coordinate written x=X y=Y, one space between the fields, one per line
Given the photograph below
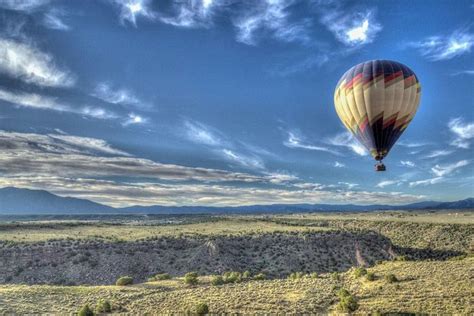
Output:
x=376 y=100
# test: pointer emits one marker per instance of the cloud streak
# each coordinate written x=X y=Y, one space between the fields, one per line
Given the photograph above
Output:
x=29 y=64
x=462 y=131
x=351 y=28
x=437 y=48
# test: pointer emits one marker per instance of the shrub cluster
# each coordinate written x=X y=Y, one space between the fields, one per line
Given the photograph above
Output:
x=390 y=278
x=160 y=277
x=370 y=276
x=232 y=277
x=191 y=278
x=347 y=302
x=103 y=306
x=125 y=280
x=359 y=272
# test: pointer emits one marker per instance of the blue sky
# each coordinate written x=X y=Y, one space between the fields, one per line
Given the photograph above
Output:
x=227 y=102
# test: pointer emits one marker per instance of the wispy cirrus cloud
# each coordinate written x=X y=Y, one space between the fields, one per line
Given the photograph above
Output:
x=338 y=164
x=105 y=92
x=407 y=163
x=38 y=101
x=426 y=182
x=272 y=17
x=345 y=139
x=438 y=153
x=198 y=132
x=190 y=14
x=242 y=154
x=352 y=28
x=134 y=119
x=445 y=47
x=295 y=140
x=28 y=63
x=23 y=5
x=386 y=183
x=463 y=72
x=53 y=20
x=462 y=131
x=444 y=170
x=130 y=10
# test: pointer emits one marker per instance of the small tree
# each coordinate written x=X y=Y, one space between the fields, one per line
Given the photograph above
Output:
x=202 y=309
x=191 y=278
x=217 y=280
x=103 y=306
x=85 y=311
x=162 y=276
x=347 y=302
x=390 y=278
x=246 y=275
x=125 y=280
x=370 y=276
x=260 y=276
x=358 y=272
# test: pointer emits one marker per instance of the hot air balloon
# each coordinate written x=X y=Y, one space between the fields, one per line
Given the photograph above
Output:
x=376 y=100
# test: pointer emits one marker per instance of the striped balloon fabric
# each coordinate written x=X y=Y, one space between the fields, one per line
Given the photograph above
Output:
x=376 y=100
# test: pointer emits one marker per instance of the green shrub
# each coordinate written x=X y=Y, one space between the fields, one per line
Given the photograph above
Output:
x=347 y=302
x=202 y=309
x=232 y=277
x=103 y=306
x=296 y=275
x=390 y=278
x=401 y=258
x=217 y=280
x=370 y=276
x=260 y=276
x=313 y=275
x=343 y=293
x=85 y=311
x=162 y=276
x=125 y=280
x=191 y=278
x=246 y=275
x=358 y=272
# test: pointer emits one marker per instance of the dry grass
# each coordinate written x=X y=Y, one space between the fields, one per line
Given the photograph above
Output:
x=424 y=287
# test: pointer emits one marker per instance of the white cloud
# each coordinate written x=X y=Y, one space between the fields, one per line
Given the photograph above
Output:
x=426 y=182
x=149 y=193
x=438 y=153
x=445 y=170
x=134 y=119
x=38 y=101
x=130 y=10
x=463 y=132
x=203 y=134
x=407 y=163
x=29 y=64
x=52 y=20
x=126 y=97
x=345 y=139
x=351 y=28
x=252 y=162
x=349 y=185
x=189 y=14
x=437 y=48
x=23 y=5
x=386 y=183
x=338 y=164
x=296 y=141
x=412 y=144
x=463 y=72
x=271 y=16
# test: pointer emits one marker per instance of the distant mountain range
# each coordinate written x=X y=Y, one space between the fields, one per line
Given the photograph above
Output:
x=16 y=201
